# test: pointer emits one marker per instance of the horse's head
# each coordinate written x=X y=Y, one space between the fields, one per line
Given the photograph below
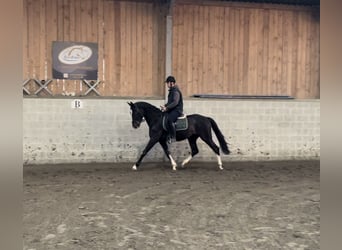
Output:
x=137 y=115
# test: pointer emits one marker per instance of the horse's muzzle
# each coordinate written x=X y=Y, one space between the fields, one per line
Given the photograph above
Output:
x=135 y=124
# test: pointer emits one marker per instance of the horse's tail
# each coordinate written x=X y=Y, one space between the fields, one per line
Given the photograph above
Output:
x=220 y=137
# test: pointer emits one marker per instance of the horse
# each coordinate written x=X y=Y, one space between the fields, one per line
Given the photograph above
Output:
x=199 y=126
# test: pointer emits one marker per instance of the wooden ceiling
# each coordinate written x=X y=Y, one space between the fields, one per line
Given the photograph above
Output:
x=291 y=2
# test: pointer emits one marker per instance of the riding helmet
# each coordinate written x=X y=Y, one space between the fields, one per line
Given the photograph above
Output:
x=170 y=79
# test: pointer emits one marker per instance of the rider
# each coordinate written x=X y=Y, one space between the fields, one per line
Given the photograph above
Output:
x=174 y=106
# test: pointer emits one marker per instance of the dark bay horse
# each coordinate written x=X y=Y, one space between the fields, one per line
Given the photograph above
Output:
x=198 y=127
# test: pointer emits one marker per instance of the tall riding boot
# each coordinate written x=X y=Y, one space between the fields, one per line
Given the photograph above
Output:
x=173 y=131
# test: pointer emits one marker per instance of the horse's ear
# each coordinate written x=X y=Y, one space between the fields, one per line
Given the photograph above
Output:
x=130 y=103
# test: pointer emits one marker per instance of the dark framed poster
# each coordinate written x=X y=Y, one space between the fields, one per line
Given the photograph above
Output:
x=74 y=60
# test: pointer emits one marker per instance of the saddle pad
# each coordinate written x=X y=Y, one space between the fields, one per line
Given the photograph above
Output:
x=181 y=123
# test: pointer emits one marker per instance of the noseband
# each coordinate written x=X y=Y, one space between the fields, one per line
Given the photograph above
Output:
x=139 y=112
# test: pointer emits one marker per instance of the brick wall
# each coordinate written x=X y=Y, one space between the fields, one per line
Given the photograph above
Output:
x=100 y=131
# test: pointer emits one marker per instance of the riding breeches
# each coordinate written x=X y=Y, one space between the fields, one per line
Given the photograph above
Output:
x=173 y=115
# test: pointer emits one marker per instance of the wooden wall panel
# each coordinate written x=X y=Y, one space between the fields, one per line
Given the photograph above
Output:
x=217 y=47
x=134 y=55
x=129 y=34
x=254 y=49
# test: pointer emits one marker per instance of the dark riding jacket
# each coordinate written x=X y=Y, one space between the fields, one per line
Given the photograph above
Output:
x=174 y=100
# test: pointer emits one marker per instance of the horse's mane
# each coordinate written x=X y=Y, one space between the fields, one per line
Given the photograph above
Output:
x=147 y=106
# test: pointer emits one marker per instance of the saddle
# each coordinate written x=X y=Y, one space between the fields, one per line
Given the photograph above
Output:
x=180 y=124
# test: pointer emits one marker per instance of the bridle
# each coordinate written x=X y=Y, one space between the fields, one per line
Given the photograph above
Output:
x=137 y=110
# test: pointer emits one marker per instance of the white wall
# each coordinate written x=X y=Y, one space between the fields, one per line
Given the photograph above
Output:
x=101 y=130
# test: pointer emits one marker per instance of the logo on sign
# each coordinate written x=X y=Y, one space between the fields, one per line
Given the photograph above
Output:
x=75 y=54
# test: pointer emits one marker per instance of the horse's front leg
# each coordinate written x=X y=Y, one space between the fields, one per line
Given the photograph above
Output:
x=148 y=147
x=167 y=152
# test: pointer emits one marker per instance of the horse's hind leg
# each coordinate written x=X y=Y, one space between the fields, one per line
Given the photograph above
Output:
x=208 y=140
x=194 y=149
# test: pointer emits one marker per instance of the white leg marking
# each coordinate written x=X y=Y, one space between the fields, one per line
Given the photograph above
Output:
x=219 y=162
x=134 y=167
x=174 y=164
x=186 y=160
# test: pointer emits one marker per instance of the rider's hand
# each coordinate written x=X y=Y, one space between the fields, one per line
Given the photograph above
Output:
x=163 y=108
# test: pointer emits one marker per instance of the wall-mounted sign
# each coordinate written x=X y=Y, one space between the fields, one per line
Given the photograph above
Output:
x=73 y=60
x=77 y=104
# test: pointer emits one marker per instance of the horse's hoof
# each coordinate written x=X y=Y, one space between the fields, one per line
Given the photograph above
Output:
x=174 y=168
x=134 y=167
x=183 y=164
x=186 y=161
x=221 y=168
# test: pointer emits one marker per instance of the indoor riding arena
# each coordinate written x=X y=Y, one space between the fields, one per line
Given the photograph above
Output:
x=252 y=66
